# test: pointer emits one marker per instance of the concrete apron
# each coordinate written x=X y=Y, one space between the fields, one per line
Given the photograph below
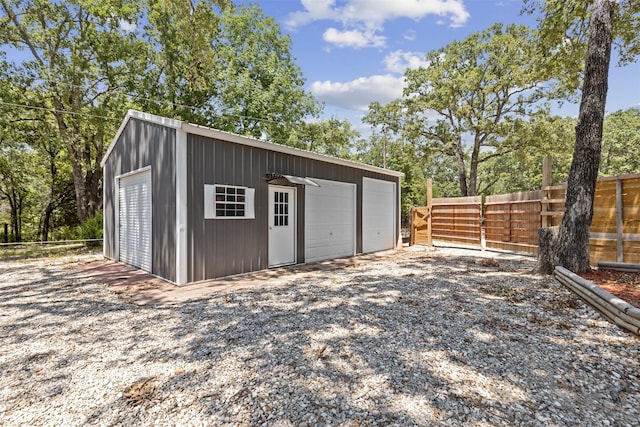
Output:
x=141 y=288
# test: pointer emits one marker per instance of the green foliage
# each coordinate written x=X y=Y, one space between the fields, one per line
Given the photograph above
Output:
x=91 y=230
x=521 y=170
x=563 y=36
x=79 y=57
x=332 y=137
x=221 y=66
x=261 y=90
x=474 y=93
x=204 y=61
x=621 y=143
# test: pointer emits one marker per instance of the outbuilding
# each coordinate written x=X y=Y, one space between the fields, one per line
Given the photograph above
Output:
x=189 y=203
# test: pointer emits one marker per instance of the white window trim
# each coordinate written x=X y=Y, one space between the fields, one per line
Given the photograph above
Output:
x=210 y=202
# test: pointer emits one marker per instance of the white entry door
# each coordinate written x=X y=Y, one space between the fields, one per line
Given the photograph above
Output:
x=134 y=220
x=282 y=235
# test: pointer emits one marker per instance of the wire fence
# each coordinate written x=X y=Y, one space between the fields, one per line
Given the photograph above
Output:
x=12 y=245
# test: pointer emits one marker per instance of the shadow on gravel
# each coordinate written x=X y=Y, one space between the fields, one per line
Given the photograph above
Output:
x=455 y=343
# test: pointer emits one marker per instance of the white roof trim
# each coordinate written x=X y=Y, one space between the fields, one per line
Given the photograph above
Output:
x=243 y=140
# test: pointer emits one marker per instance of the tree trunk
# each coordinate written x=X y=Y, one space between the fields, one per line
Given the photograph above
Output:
x=15 y=204
x=462 y=170
x=78 y=185
x=572 y=246
x=546 y=260
x=473 y=168
x=46 y=221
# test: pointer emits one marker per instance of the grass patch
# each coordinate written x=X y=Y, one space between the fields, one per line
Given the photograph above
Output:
x=45 y=251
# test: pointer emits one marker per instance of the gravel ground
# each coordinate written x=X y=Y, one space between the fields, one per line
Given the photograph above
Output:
x=422 y=337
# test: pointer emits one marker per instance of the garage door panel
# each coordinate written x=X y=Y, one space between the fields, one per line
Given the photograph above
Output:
x=378 y=215
x=135 y=220
x=329 y=220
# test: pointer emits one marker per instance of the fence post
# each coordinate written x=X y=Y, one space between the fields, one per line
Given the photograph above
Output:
x=6 y=233
x=412 y=233
x=547 y=180
x=429 y=210
x=619 y=223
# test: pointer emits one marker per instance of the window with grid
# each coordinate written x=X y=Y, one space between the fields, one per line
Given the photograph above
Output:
x=231 y=202
x=281 y=209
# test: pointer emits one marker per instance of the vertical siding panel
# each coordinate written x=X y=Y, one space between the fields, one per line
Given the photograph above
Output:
x=209 y=235
x=144 y=144
x=227 y=247
x=197 y=215
x=259 y=224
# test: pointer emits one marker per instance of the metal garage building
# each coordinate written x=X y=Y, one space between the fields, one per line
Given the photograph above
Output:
x=189 y=203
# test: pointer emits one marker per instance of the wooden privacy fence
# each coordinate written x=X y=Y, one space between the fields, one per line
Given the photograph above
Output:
x=511 y=221
x=455 y=220
x=615 y=228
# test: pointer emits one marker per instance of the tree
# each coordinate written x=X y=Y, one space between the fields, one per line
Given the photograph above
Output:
x=78 y=56
x=17 y=163
x=521 y=170
x=332 y=137
x=621 y=143
x=572 y=247
x=261 y=91
x=178 y=71
x=203 y=61
x=605 y=22
x=479 y=88
x=213 y=64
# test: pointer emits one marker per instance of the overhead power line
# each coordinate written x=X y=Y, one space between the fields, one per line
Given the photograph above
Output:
x=165 y=102
x=53 y=110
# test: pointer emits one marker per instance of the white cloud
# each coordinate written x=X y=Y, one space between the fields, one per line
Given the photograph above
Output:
x=359 y=93
x=410 y=35
x=315 y=10
x=127 y=26
x=398 y=61
x=373 y=13
x=353 y=38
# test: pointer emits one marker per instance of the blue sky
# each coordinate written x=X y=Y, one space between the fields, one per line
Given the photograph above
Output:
x=353 y=52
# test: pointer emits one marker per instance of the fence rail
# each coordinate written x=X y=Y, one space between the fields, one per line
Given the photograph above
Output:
x=457 y=220
x=615 y=227
x=511 y=221
x=48 y=242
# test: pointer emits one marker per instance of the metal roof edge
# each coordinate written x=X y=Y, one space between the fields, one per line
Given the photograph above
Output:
x=239 y=139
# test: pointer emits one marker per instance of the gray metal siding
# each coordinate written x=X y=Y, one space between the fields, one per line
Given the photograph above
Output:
x=146 y=144
x=223 y=247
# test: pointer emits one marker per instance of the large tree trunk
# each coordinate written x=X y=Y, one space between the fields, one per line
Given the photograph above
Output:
x=473 y=167
x=572 y=247
x=462 y=170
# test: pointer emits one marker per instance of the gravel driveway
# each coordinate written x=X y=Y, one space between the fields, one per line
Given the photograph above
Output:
x=422 y=337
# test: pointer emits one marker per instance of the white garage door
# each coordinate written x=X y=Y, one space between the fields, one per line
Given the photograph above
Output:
x=378 y=215
x=330 y=220
x=135 y=220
